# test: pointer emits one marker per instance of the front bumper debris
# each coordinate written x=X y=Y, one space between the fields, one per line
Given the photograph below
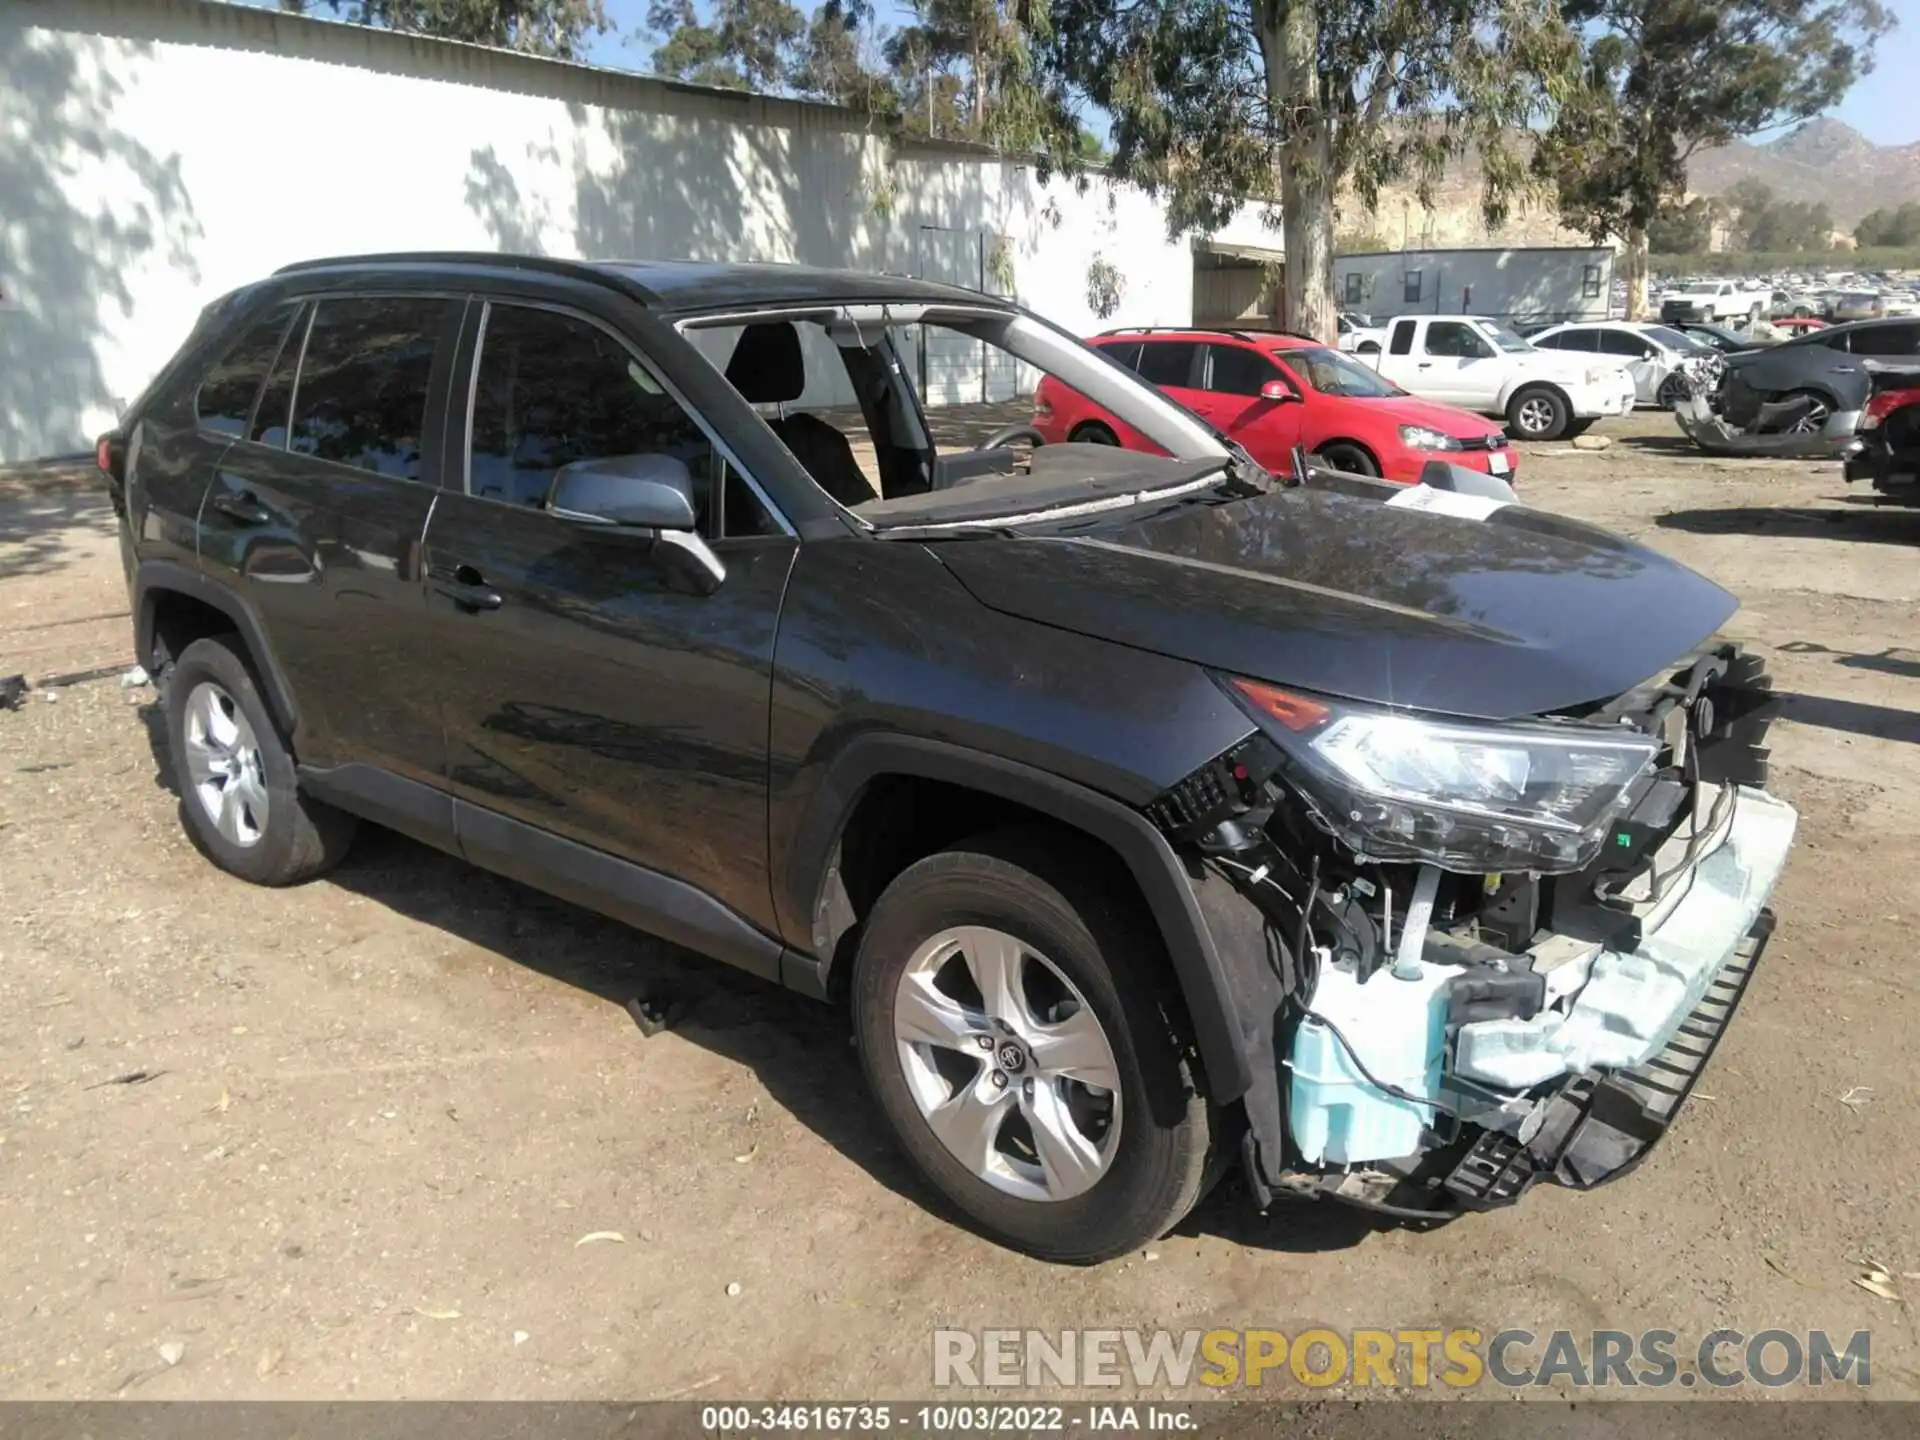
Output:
x=1599 y=1128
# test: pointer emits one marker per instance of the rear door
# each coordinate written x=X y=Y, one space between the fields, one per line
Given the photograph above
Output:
x=1175 y=367
x=588 y=694
x=1639 y=357
x=317 y=514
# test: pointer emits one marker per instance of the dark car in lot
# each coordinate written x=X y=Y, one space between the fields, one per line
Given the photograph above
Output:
x=1148 y=813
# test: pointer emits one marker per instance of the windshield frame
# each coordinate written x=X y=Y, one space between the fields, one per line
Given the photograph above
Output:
x=1041 y=345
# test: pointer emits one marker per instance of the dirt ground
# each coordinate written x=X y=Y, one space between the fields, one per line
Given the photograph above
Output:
x=349 y=1140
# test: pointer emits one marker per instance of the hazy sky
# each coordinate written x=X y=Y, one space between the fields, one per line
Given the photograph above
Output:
x=1885 y=107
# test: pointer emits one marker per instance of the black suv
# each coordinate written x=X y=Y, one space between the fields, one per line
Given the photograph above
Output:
x=1149 y=811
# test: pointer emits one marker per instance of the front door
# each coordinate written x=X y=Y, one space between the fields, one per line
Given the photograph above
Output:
x=1269 y=429
x=318 y=509
x=586 y=689
x=1455 y=366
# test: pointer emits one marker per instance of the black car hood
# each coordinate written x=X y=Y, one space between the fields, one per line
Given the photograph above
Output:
x=1518 y=613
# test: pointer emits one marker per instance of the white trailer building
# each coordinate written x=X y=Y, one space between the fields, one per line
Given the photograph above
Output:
x=1518 y=284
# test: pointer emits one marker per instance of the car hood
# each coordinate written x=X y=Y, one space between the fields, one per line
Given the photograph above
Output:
x=1335 y=591
x=1411 y=410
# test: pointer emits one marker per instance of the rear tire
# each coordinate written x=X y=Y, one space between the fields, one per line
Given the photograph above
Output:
x=1096 y=1171
x=1345 y=456
x=240 y=801
x=1673 y=392
x=1538 y=412
x=1092 y=432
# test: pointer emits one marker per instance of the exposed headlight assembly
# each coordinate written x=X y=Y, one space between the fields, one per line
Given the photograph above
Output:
x=1423 y=437
x=1467 y=797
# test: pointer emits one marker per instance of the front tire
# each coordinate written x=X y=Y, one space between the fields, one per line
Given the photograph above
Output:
x=1014 y=1022
x=1349 y=458
x=1538 y=412
x=1092 y=432
x=240 y=801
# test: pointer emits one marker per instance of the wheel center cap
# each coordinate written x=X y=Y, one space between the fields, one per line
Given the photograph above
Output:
x=1012 y=1056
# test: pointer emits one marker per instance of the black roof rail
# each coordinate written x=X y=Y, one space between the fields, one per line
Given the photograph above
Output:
x=492 y=259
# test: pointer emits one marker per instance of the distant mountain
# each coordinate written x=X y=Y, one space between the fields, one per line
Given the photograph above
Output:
x=1822 y=160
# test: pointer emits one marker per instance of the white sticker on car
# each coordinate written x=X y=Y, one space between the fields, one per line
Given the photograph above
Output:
x=1446 y=502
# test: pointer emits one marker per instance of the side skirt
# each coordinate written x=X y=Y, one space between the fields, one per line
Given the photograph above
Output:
x=620 y=889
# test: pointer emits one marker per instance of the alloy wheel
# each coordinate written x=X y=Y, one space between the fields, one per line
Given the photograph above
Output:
x=224 y=766
x=1007 y=1063
x=1536 y=416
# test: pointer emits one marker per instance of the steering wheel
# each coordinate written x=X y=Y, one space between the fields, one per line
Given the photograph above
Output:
x=1013 y=435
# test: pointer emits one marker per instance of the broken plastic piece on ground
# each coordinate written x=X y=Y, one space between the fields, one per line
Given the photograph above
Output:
x=654 y=1013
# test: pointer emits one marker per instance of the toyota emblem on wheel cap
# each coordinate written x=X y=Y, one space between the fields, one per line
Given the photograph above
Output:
x=1011 y=1056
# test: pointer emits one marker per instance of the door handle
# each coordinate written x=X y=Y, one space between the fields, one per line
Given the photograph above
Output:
x=467 y=588
x=1424 y=365
x=241 y=505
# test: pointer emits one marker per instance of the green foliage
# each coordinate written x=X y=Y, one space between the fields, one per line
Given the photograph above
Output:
x=1762 y=221
x=1216 y=102
x=541 y=27
x=1749 y=262
x=1686 y=229
x=1664 y=78
x=1897 y=226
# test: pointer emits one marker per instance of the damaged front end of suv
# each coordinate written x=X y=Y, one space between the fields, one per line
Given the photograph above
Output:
x=1492 y=953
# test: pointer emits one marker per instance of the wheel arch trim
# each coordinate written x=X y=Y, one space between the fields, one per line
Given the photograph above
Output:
x=1156 y=869
x=155 y=577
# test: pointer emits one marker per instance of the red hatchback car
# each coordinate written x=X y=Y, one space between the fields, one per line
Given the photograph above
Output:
x=1273 y=392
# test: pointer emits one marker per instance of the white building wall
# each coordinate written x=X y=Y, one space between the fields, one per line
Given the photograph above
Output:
x=161 y=152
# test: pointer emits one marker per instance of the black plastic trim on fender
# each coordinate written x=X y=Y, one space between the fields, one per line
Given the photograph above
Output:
x=1155 y=867
x=157 y=575
x=620 y=889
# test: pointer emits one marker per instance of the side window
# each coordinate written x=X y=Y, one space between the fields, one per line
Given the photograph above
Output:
x=1410 y=291
x=1450 y=337
x=276 y=401
x=362 y=395
x=1355 y=287
x=1168 y=362
x=1124 y=353
x=1887 y=340
x=1238 y=371
x=1551 y=342
x=1590 y=283
x=1401 y=342
x=1620 y=342
x=553 y=389
x=224 y=403
x=1835 y=339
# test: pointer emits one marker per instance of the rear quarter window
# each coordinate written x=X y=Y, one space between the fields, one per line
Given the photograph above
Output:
x=224 y=401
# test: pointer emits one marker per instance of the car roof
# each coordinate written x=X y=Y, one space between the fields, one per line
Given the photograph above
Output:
x=672 y=285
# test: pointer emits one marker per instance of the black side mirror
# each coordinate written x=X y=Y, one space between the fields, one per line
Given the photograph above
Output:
x=649 y=495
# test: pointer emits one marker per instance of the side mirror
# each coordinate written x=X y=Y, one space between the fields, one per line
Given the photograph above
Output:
x=1277 y=390
x=653 y=492
x=644 y=494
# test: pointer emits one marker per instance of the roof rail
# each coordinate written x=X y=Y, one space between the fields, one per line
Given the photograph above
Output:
x=549 y=264
x=1180 y=329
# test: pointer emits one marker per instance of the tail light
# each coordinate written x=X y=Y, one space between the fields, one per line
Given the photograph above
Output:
x=1042 y=408
x=110 y=455
x=1884 y=404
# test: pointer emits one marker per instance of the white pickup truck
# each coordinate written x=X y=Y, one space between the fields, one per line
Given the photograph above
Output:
x=1479 y=364
x=1717 y=302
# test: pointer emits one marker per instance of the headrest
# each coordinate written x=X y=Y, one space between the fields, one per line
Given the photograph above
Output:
x=767 y=367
